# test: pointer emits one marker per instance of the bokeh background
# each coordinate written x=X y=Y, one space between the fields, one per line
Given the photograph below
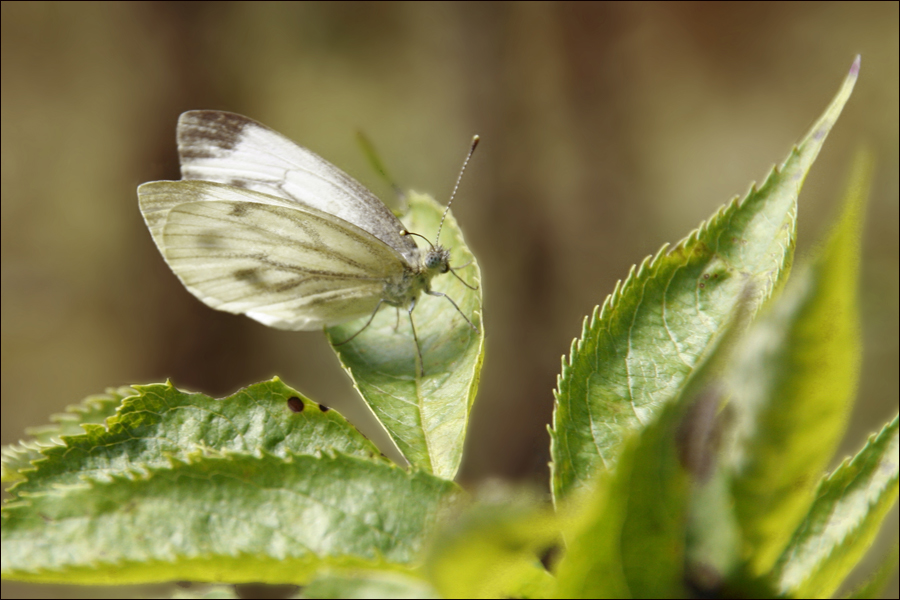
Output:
x=607 y=130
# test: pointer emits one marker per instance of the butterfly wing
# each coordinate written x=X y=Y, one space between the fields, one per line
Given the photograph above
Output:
x=229 y=148
x=283 y=264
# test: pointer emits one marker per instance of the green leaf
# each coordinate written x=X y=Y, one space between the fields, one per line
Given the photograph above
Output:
x=712 y=538
x=425 y=416
x=629 y=543
x=493 y=551
x=368 y=584
x=92 y=410
x=843 y=521
x=663 y=507
x=794 y=381
x=875 y=586
x=235 y=518
x=592 y=565
x=653 y=533
x=636 y=352
x=712 y=553
x=161 y=422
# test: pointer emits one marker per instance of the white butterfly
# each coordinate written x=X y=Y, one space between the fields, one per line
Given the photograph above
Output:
x=263 y=227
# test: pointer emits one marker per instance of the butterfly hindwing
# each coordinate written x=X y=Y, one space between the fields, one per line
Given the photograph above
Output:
x=283 y=264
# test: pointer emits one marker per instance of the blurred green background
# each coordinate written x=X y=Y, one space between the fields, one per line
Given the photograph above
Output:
x=607 y=130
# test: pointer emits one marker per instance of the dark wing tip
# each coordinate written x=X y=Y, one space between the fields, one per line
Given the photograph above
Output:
x=208 y=133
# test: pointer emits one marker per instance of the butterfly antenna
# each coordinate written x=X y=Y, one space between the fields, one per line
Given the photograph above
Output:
x=474 y=145
x=406 y=232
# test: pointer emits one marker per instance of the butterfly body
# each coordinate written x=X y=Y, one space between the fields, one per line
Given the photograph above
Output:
x=263 y=227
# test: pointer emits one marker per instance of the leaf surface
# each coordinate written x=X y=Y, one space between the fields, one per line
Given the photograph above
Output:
x=636 y=353
x=630 y=540
x=494 y=551
x=426 y=417
x=794 y=380
x=843 y=521
x=161 y=422
x=231 y=518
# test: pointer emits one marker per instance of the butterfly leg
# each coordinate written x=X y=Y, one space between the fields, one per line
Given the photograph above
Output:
x=453 y=272
x=433 y=293
x=369 y=322
x=412 y=305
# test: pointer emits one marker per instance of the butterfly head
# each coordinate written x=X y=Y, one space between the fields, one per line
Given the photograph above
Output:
x=437 y=260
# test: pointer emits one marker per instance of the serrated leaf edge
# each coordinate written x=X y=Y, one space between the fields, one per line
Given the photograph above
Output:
x=873 y=440
x=640 y=274
x=74 y=413
x=138 y=469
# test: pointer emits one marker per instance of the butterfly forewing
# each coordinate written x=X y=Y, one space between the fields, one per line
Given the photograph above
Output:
x=232 y=149
x=288 y=266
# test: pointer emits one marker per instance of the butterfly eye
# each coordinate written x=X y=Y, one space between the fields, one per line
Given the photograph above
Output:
x=437 y=259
